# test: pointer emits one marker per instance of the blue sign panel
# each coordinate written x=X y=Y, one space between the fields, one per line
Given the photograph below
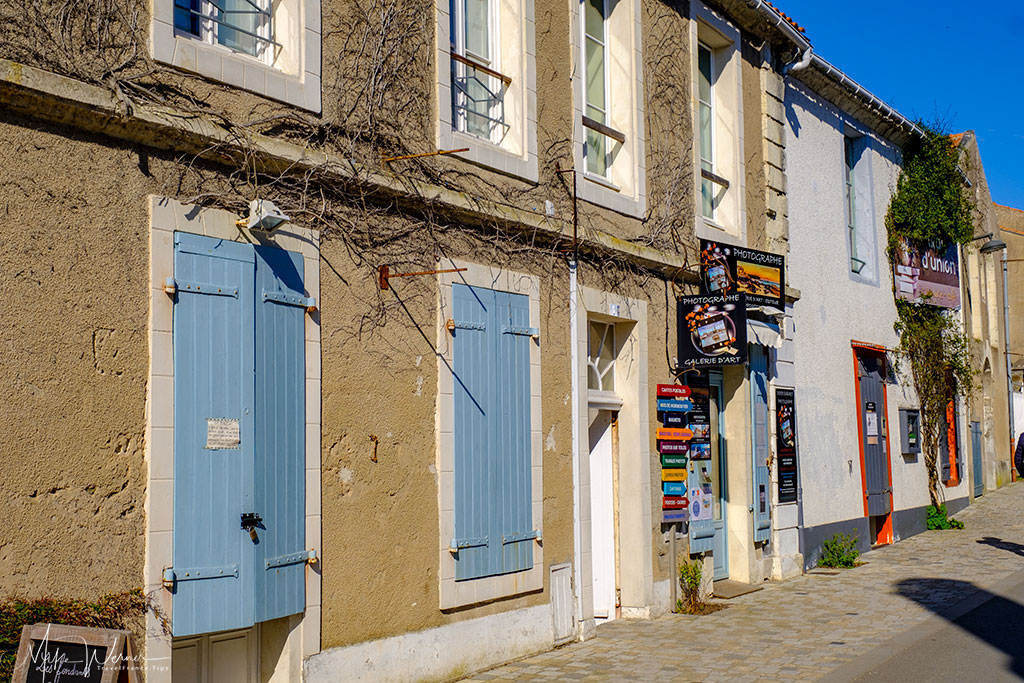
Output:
x=667 y=405
x=673 y=488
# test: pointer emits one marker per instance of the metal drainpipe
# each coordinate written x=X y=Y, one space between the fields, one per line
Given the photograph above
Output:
x=1006 y=348
x=575 y=392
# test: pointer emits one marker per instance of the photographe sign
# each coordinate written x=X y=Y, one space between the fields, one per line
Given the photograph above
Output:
x=712 y=330
x=54 y=653
x=728 y=269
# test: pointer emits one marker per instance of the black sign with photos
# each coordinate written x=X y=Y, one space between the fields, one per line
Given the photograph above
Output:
x=712 y=330
x=728 y=269
x=785 y=441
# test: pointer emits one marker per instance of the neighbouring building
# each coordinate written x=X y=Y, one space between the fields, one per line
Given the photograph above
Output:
x=1011 y=231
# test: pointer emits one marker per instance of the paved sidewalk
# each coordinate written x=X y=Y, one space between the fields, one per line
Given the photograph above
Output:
x=808 y=627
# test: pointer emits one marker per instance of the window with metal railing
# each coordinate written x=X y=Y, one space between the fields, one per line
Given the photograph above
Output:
x=478 y=87
x=246 y=26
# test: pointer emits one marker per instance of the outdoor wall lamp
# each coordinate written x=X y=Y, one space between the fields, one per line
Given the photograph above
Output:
x=264 y=215
x=993 y=245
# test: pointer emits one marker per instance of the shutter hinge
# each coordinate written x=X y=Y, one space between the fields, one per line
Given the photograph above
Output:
x=172 y=286
x=453 y=325
x=303 y=556
x=171 y=575
x=458 y=544
x=307 y=302
x=531 y=332
x=517 y=538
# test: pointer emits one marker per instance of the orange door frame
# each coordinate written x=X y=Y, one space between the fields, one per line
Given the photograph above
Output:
x=885 y=533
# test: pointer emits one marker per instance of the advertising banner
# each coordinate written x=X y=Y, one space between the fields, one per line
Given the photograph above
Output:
x=928 y=273
x=727 y=269
x=785 y=442
x=712 y=330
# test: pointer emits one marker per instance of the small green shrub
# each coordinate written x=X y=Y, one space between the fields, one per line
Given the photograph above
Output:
x=689 y=579
x=939 y=519
x=114 y=610
x=840 y=551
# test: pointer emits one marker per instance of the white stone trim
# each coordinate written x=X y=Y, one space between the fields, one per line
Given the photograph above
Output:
x=458 y=593
x=627 y=191
x=438 y=654
x=516 y=155
x=294 y=79
x=636 y=498
x=166 y=217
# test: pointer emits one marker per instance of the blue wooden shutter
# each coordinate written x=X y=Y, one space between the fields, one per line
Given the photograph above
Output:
x=511 y=434
x=213 y=379
x=759 y=442
x=280 y=453
x=474 y=494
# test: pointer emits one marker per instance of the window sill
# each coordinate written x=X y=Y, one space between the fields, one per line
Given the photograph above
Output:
x=603 y=182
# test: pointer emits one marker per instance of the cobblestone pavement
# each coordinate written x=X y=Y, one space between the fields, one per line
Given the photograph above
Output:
x=809 y=626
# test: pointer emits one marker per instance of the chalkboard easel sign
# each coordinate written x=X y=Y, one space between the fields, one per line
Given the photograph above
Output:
x=54 y=653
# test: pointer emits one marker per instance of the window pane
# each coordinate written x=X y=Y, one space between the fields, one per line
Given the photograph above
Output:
x=239 y=21
x=706 y=151
x=596 y=153
x=595 y=77
x=707 y=198
x=477 y=28
x=704 y=79
x=594 y=18
x=185 y=17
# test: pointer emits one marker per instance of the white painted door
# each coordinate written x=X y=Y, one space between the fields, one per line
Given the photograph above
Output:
x=602 y=514
x=228 y=657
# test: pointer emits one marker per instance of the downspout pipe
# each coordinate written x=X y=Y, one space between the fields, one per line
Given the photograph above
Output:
x=1006 y=347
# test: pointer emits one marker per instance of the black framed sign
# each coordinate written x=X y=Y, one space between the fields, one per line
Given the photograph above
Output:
x=728 y=269
x=785 y=441
x=75 y=654
x=712 y=330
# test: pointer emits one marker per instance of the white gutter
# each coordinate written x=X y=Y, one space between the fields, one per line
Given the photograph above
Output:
x=781 y=23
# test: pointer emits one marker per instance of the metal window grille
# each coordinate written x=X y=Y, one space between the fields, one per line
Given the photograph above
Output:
x=478 y=99
x=243 y=25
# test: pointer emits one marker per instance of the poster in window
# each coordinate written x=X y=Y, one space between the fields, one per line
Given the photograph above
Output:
x=712 y=330
x=928 y=272
x=728 y=269
x=785 y=443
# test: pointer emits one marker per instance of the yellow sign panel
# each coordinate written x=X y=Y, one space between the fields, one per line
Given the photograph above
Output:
x=673 y=475
x=671 y=433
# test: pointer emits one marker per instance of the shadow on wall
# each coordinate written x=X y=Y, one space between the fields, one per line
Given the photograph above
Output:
x=996 y=621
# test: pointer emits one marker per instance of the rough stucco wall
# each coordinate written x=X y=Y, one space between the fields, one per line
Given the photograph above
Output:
x=380 y=520
x=834 y=309
x=753 y=142
x=74 y=359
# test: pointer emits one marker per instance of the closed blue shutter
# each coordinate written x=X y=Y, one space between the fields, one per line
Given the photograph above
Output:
x=491 y=421
x=280 y=454
x=213 y=379
x=759 y=442
x=511 y=444
x=474 y=497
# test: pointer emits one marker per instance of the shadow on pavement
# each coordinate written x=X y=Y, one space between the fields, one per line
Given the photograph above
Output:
x=1010 y=546
x=995 y=620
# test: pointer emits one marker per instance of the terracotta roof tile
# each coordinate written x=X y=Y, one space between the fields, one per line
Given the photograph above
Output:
x=956 y=138
x=792 y=21
x=1011 y=208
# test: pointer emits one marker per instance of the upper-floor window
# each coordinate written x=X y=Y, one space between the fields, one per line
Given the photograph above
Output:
x=478 y=86
x=595 y=58
x=718 y=123
x=601 y=356
x=243 y=25
x=268 y=47
x=706 y=118
x=849 y=181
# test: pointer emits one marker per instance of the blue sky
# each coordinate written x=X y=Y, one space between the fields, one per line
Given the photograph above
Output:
x=960 y=64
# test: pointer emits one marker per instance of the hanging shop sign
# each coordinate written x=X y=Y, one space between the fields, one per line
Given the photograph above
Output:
x=728 y=269
x=712 y=330
x=672 y=434
x=928 y=272
x=673 y=391
x=785 y=442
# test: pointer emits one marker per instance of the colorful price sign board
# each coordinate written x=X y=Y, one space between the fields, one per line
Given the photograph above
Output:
x=672 y=434
x=674 y=475
x=673 y=390
x=675 y=516
x=674 y=502
x=673 y=447
x=675 y=419
x=668 y=405
x=673 y=488
x=671 y=461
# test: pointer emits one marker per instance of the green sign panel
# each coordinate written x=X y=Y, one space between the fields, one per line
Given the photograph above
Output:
x=674 y=460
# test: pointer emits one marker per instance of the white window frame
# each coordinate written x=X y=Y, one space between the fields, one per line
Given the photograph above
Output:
x=850 y=195
x=288 y=71
x=711 y=130
x=471 y=591
x=623 y=189
x=512 y=147
x=209 y=30
x=587 y=104
x=493 y=83
x=862 y=237
x=721 y=37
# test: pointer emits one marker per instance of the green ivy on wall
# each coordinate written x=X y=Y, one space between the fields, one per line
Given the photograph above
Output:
x=931 y=204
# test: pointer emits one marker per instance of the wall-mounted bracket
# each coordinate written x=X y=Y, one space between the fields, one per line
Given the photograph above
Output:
x=384 y=274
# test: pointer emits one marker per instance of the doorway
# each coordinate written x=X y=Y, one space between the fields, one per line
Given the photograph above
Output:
x=603 y=432
x=874 y=435
x=718 y=476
